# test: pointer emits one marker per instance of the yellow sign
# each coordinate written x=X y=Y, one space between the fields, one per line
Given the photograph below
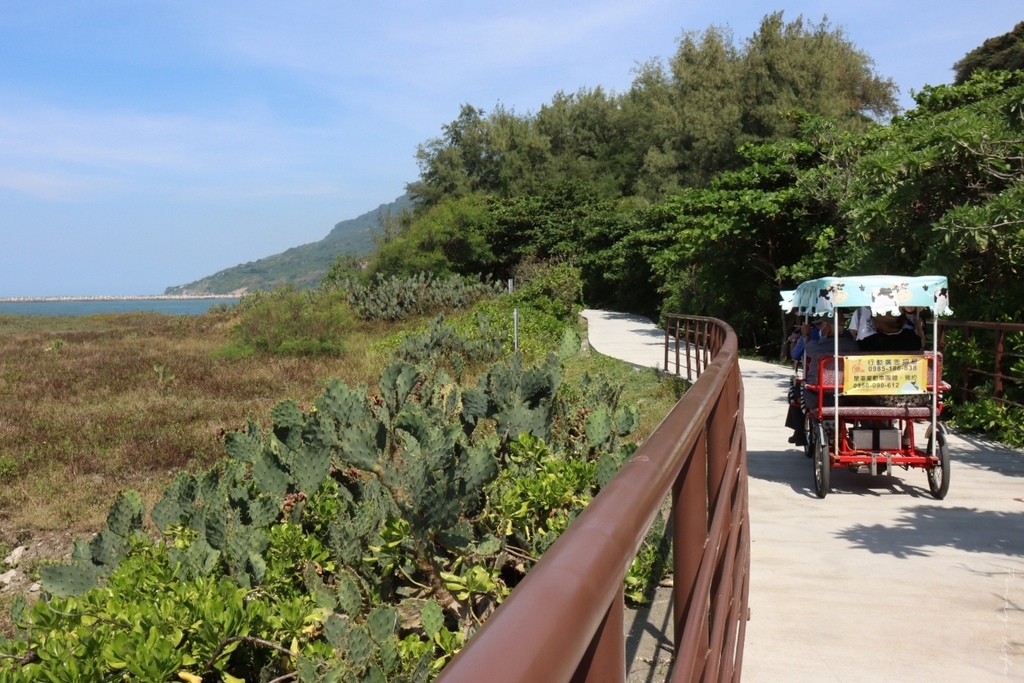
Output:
x=864 y=375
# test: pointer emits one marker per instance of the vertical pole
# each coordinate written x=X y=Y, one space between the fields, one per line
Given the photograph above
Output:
x=668 y=323
x=997 y=389
x=689 y=536
x=515 y=328
x=693 y=350
x=935 y=383
x=965 y=382
x=719 y=436
x=678 y=372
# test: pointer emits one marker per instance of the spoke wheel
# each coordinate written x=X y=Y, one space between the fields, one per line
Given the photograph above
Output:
x=938 y=472
x=822 y=461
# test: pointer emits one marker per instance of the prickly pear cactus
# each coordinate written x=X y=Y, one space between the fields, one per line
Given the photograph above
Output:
x=381 y=622
x=126 y=513
x=479 y=467
x=310 y=468
x=599 y=427
x=347 y=406
x=397 y=384
x=350 y=599
x=245 y=445
x=627 y=420
x=288 y=420
x=359 y=447
x=270 y=475
x=69 y=580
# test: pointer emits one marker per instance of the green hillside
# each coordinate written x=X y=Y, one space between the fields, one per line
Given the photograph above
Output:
x=302 y=266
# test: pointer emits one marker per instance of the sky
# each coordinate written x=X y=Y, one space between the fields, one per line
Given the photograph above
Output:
x=145 y=144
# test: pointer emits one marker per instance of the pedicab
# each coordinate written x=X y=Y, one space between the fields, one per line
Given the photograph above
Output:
x=873 y=411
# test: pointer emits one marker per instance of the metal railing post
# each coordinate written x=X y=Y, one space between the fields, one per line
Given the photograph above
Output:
x=689 y=537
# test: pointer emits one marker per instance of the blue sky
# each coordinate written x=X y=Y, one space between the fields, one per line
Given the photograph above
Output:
x=150 y=143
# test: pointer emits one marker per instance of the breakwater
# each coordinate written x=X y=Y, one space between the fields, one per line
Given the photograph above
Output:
x=79 y=305
x=140 y=297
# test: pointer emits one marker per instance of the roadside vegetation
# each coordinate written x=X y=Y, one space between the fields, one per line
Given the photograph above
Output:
x=345 y=513
x=342 y=483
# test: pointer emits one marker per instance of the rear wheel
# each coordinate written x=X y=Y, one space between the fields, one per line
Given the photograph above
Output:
x=822 y=460
x=938 y=472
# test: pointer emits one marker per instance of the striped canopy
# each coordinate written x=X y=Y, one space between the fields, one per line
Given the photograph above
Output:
x=881 y=293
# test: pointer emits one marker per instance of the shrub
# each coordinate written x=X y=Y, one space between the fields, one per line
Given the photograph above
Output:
x=555 y=289
x=291 y=322
x=394 y=298
x=297 y=552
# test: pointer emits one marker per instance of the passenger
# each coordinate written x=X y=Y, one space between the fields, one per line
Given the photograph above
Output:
x=914 y=320
x=861 y=324
x=890 y=334
x=822 y=348
x=814 y=352
x=791 y=340
x=808 y=333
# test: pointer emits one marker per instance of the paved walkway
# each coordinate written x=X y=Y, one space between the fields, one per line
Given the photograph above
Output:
x=878 y=581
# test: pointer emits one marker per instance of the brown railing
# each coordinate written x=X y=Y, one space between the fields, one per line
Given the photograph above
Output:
x=989 y=339
x=564 y=622
x=688 y=343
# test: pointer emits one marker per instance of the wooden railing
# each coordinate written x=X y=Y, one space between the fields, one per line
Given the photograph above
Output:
x=995 y=357
x=564 y=621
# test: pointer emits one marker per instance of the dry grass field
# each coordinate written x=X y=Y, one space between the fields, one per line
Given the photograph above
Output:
x=95 y=404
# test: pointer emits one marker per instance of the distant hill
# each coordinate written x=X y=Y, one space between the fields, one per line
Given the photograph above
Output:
x=302 y=266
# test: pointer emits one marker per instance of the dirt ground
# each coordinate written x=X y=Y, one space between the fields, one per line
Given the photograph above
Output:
x=25 y=552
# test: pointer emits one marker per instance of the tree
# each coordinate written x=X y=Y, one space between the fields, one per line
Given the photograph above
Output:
x=694 y=114
x=448 y=237
x=942 y=190
x=678 y=125
x=727 y=250
x=813 y=68
x=1002 y=53
x=459 y=162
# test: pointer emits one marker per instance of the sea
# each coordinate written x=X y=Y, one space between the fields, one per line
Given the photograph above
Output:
x=89 y=306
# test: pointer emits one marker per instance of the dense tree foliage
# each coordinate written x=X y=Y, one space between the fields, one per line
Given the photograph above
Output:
x=1002 y=53
x=731 y=171
x=942 y=190
x=680 y=123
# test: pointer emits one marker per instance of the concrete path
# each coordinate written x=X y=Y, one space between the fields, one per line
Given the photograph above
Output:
x=876 y=582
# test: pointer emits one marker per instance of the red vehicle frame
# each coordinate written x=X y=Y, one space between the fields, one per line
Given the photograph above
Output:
x=875 y=438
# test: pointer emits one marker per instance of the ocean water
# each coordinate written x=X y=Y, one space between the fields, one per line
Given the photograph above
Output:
x=92 y=306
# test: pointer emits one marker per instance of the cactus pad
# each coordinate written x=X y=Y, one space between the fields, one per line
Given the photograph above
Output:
x=125 y=513
x=68 y=580
x=431 y=618
x=310 y=468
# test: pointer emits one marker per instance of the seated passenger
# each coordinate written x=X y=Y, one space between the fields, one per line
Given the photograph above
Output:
x=820 y=349
x=890 y=335
x=808 y=332
x=914 y=320
x=861 y=325
x=814 y=352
